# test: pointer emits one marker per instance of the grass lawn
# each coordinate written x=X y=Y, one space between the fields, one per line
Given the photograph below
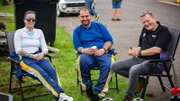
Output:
x=64 y=62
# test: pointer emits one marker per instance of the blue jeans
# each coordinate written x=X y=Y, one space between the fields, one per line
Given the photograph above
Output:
x=89 y=5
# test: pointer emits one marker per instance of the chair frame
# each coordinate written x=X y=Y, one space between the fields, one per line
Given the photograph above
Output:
x=167 y=63
x=96 y=68
x=10 y=36
x=3 y=44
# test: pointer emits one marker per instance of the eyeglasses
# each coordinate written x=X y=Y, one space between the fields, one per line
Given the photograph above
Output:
x=30 y=19
x=144 y=13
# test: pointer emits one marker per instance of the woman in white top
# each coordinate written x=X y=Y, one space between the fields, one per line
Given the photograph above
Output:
x=27 y=42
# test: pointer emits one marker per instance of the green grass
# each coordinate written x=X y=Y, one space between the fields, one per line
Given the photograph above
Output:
x=65 y=63
x=7 y=8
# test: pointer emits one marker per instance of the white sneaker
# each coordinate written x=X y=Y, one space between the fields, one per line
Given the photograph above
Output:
x=97 y=17
x=64 y=97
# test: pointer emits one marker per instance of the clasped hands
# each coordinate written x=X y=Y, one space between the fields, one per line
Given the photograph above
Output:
x=38 y=56
x=134 y=51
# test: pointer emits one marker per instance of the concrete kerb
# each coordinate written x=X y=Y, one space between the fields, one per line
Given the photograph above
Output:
x=171 y=2
x=5 y=14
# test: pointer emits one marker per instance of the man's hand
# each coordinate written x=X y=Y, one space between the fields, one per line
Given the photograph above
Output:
x=99 y=52
x=89 y=51
x=133 y=51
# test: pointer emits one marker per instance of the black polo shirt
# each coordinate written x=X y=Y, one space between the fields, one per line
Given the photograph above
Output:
x=160 y=38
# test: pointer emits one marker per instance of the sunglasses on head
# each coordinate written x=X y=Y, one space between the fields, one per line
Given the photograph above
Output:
x=144 y=13
x=30 y=19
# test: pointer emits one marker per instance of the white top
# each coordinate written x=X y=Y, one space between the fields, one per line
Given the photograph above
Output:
x=29 y=40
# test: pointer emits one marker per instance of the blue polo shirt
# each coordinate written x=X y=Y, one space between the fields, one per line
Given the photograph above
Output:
x=96 y=35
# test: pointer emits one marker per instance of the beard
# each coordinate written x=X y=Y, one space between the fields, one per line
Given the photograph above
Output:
x=85 y=22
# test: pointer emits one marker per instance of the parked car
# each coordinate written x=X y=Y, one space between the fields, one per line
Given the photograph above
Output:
x=69 y=6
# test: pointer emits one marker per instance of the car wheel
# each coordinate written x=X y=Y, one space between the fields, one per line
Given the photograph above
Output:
x=59 y=13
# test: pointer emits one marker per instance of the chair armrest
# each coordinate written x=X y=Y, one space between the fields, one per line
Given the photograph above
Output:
x=112 y=51
x=159 y=60
x=13 y=60
x=49 y=56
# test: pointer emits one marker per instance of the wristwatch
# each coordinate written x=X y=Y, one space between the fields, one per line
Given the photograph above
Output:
x=105 y=49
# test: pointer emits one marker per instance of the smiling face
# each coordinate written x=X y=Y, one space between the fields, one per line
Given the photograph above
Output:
x=29 y=20
x=149 y=22
x=85 y=17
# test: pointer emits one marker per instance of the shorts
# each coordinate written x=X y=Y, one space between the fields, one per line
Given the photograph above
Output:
x=116 y=4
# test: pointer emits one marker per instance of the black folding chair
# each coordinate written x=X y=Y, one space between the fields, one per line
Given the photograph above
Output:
x=3 y=44
x=112 y=51
x=167 y=63
x=14 y=63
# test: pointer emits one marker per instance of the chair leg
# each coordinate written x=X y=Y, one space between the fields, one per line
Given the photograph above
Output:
x=168 y=75
x=21 y=90
x=170 y=80
x=10 y=80
x=161 y=83
x=77 y=79
x=81 y=89
x=116 y=82
x=144 y=87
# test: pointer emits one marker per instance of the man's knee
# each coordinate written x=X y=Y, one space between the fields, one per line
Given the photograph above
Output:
x=133 y=71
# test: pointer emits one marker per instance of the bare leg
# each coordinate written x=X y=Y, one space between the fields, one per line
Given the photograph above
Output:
x=114 y=13
x=119 y=13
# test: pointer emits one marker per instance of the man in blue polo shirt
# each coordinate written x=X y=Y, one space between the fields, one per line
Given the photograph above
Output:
x=92 y=40
x=153 y=44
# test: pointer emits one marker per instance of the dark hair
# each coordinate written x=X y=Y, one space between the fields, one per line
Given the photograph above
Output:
x=29 y=12
x=146 y=12
x=84 y=8
x=2 y=26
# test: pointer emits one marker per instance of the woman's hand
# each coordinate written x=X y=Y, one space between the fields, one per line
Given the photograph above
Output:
x=38 y=56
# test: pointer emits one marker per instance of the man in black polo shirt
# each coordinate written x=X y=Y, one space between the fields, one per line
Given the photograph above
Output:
x=153 y=44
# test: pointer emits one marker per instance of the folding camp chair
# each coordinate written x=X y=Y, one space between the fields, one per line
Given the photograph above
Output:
x=14 y=63
x=3 y=44
x=111 y=51
x=167 y=63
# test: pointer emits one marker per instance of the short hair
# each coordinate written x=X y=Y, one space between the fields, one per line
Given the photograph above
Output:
x=146 y=12
x=84 y=8
x=2 y=26
x=29 y=12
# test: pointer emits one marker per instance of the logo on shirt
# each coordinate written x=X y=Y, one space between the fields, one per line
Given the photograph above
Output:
x=31 y=33
x=154 y=36
x=144 y=34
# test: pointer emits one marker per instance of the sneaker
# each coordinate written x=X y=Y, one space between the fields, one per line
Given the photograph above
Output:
x=89 y=92
x=94 y=98
x=64 y=97
x=139 y=85
x=97 y=17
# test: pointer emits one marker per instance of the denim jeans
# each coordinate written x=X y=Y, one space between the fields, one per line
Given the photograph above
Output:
x=89 y=5
x=132 y=69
